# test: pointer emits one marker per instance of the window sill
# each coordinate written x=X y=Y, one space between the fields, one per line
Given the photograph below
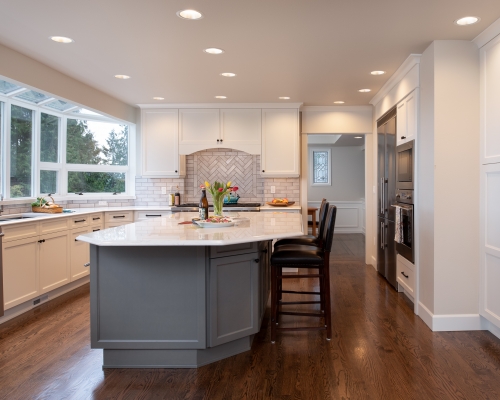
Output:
x=95 y=197
x=23 y=200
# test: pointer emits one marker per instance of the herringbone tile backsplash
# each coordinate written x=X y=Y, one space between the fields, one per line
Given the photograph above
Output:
x=222 y=165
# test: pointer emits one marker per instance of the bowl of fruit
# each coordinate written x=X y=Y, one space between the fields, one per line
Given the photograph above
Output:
x=280 y=202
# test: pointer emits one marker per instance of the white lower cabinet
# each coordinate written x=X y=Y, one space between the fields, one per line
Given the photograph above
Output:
x=54 y=261
x=20 y=271
x=406 y=276
x=80 y=253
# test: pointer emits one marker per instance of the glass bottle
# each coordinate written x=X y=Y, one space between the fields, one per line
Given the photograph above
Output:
x=203 y=206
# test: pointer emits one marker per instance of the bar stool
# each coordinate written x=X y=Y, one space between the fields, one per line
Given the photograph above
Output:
x=309 y=257
x=309 y=240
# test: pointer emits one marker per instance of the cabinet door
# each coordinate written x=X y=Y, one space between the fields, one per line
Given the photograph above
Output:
x=280 y=143
x=401 y=128
x=160 y=143
x=241 y=129
x=411 y=115
x=80 y=254
x=20 y=271
x=234 y=298
x=198 y=130
x=54 y=261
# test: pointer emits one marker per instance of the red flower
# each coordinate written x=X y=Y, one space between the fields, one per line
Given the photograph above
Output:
x=235 y=188
x=220 y=189
x=202 y=186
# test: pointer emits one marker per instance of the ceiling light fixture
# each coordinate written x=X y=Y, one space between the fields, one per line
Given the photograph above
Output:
x=158 y=98
x=213 y=50
x=61 y=39
x=284 y=98
x=467 y=21
x=377 y=72
x=228 y=74
x=122 y=76
x=220 y=97
x=364 y=90
x=189 y=14
x=338 y=102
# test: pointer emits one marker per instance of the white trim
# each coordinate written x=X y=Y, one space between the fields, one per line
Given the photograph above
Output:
x=452 y=322
x=355 y=226
x=408 y=64
x=488 y=34
x=221 y=105
x=493 y=329
x=336 y=108
x=425 y=314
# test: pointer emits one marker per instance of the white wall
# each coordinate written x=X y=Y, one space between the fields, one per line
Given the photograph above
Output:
x=29 y=72
x=336 y=119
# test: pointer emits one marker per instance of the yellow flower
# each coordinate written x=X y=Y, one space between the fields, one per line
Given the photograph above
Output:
x=229 y=184
x=207 y=184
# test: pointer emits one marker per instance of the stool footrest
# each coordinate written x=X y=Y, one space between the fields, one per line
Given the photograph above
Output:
x=300 y=302
x=300 y=276
x=304 y=314
x=303 y=328
x=296 y=292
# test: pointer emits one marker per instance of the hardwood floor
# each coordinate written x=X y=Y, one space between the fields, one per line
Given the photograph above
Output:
x=379 y=350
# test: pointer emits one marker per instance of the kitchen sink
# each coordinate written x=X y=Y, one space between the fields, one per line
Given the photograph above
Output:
x=16 y=217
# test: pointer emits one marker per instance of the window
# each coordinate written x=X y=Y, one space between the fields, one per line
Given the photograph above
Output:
x=321 y=166
x=49 y=145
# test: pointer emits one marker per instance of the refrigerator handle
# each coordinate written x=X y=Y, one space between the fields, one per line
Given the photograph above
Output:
x=382 y=246
x=381 y=196
x=385 y=237
x=386 y=194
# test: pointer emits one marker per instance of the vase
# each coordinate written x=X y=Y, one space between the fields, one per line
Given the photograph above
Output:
x=218 y=204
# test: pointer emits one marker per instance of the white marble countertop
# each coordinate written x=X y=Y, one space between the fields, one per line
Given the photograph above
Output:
x=166 y=231
x=267 y=207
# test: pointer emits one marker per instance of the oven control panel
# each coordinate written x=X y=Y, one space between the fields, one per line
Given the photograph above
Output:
x=404 y=196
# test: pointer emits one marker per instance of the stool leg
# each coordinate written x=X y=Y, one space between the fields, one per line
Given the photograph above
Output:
x=328 y=310
x=280 y=292
x=321 y=291
x=274 y=298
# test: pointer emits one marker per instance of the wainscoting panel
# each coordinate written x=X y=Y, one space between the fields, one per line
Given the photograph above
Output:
x=350 y=215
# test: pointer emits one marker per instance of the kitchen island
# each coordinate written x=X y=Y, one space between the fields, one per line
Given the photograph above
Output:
x=171 y=295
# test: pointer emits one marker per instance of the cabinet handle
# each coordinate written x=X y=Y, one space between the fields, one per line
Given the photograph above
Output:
x=41 y=241
x=118 y=216
x=153 y=215
x=406 y=276
x=80 y=220
x=95 y=230
x=403 y=137
x=264 y=251
x=256 y=260
x=95 y=219
x=86 y=265
x=2 y=234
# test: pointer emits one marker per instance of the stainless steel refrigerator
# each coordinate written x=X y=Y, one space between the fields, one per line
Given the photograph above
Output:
x=386 y=254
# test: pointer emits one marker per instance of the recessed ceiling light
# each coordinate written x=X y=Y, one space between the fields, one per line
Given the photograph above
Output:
x=228 y=74
x=284 y=98
x=220 y=97
x=158 y=98
x=189 y=14
x=467 y=21
x=358 y=137
x=213 y=50
x=364 y=90
x=338 y=102
x=122 y=76
x=61 y=39
x=377 y=72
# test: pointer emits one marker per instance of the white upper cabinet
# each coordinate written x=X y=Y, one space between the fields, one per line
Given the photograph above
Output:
x=280 y=143
x=199 y=129
x=160 y=143
x=407 y=118
x=240 y=129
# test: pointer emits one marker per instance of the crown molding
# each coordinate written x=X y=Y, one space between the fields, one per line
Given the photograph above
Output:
x=337 y=108
x=408 y=64
x=486 y=36
x=221 y=105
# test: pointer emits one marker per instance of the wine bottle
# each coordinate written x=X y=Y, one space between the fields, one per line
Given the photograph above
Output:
x=203 y=206
x=177 y=197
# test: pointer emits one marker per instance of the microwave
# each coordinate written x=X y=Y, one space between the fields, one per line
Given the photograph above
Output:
x=405 y=165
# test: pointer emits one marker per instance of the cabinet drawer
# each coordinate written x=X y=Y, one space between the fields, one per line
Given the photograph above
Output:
x=53 y=225
x=405 y=275
x=96 y=219
x=119 y=216
x=19 y=231
x=233 y=249
x=79 y=221
x=142 y=215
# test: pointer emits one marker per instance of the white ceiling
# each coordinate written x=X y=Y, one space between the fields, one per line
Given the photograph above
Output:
x=316 y=52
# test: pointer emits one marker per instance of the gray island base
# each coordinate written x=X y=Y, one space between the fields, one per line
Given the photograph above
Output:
x=171 y=295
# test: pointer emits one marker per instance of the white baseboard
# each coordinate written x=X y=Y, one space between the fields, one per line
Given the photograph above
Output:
x=425 y=314
x=452 y=322
x=495 y=330
x=374 y=263
x=28 y=305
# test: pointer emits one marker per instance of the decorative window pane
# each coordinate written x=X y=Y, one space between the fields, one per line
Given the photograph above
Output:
x=21 y=135
x=32 y=96
x=59 y=105
x=97 y=143
x=7 y=87
x=49 y=138
x=320 y=167
x=96 y=182
x=48 y=181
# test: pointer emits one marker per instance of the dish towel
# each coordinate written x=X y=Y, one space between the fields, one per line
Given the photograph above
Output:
x=398 y=238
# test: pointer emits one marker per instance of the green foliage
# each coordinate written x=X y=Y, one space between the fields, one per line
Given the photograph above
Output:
x=21 y=134
x=40 y=201
x=81 y=147
x=49 y=138
x=116 y=152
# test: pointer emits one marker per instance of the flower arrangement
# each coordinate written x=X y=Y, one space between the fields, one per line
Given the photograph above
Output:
x=218 y=191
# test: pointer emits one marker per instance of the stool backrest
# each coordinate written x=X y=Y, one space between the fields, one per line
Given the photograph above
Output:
x=323 y=211
x=330 y=227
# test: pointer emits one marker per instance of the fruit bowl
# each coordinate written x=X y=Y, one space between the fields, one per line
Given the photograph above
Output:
x=282 y=204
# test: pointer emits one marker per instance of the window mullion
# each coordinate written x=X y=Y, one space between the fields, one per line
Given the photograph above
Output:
x=63 y=175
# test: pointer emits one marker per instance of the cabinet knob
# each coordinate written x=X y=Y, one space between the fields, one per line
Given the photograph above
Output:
x=86 y=265
x=221 y=140
x=263 y=171
x=218 y=140
x=403 y=137
x=256 y=260
x=175 y=171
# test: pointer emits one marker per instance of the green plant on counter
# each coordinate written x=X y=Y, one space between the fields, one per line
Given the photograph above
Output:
x=40 y=201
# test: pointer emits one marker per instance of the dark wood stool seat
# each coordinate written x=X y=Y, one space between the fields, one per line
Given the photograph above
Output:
x=309 y=258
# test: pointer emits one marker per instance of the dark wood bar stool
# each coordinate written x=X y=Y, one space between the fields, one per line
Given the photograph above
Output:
x=308 y=257
x=309 y=240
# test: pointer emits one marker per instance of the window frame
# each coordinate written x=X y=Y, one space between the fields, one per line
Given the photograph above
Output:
x=328 y=150
x=6 y=101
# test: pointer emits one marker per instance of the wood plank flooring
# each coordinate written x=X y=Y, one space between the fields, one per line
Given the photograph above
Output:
x=379 y=350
